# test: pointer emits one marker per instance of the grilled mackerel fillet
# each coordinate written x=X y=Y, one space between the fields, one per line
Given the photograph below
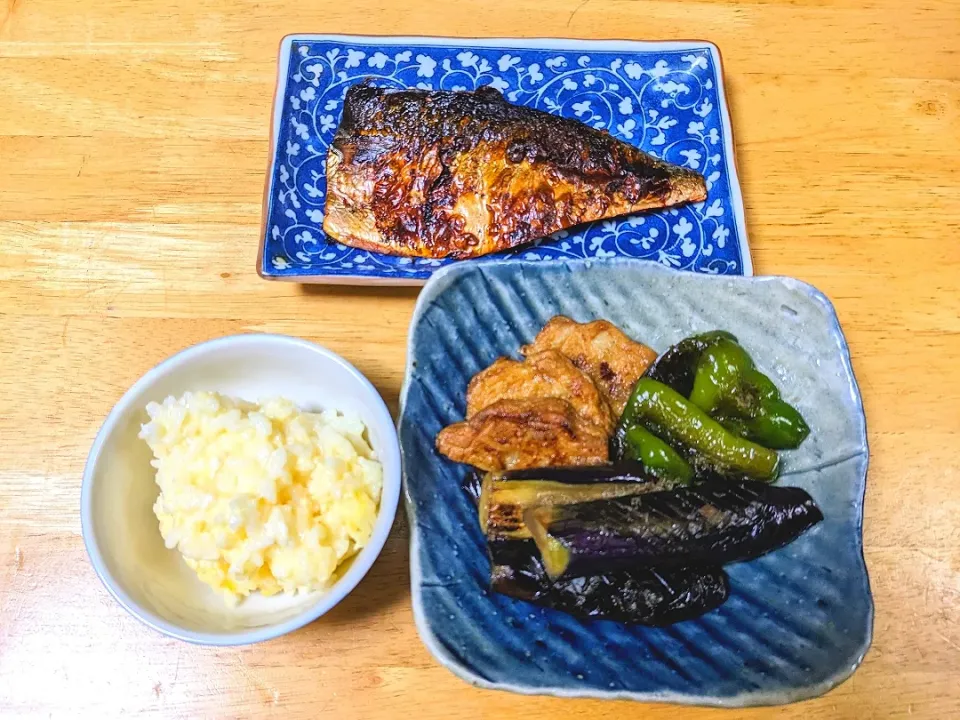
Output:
x=463 y=174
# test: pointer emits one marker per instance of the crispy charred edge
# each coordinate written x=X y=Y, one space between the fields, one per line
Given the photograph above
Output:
x=457 y=121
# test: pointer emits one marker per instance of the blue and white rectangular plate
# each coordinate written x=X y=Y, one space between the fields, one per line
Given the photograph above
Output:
x=665 y=97
x=797 y=622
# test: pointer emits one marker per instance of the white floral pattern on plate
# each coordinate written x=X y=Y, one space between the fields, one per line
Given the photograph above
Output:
x=668 y=101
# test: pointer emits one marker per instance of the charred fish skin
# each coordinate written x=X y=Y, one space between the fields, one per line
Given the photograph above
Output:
x=463 y=174
x=640 y=596
x=712 y=523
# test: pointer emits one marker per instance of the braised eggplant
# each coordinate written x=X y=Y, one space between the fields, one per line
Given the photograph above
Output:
x=636 y=596
x=712 y=523
x=505 y=496
x=639 y=596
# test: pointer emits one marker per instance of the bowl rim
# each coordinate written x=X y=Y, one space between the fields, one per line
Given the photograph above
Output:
x=389 y=456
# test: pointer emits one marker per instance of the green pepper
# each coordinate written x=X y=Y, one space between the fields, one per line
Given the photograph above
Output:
x=677 y=366
x=705 y=444
x=641 y=445
x=729 y=388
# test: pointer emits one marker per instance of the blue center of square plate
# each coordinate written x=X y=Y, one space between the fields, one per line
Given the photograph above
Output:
x=666 y=98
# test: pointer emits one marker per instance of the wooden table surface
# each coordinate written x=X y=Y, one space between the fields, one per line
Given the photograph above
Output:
x=133 y=145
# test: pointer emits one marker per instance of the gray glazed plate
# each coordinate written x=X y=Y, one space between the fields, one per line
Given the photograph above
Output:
x=798 y=621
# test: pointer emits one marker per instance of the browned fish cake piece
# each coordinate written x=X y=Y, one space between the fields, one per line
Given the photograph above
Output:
x=548 y=374
x=514 y=434
x=601 y=350
x=462 y=174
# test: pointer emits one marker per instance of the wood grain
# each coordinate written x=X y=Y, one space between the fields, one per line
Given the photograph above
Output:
x=133 y=144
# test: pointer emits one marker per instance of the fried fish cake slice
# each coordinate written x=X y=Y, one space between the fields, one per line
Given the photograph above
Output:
x=515 y=434
x=601 y=350
x=547 y=374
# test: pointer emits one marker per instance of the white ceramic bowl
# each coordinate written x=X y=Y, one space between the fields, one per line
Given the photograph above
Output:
x=122 y=534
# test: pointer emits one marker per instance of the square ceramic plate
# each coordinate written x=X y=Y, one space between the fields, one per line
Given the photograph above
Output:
x=666 y=97
x=798 y=620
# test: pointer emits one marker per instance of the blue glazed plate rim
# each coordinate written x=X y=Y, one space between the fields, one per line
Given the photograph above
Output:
x=446 y=277
x=533 y=43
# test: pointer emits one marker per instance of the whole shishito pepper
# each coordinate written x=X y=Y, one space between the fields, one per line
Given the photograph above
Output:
x=677 y=367
x=704 y=443
x=729 y=388
x=642 y=446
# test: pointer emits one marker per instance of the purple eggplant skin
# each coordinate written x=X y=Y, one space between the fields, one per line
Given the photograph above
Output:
x=636 y=597
x=501 y=514
x=709 y=524
x=625 y=472
x=507 y=551
x=512 y=552
x=640 y=596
